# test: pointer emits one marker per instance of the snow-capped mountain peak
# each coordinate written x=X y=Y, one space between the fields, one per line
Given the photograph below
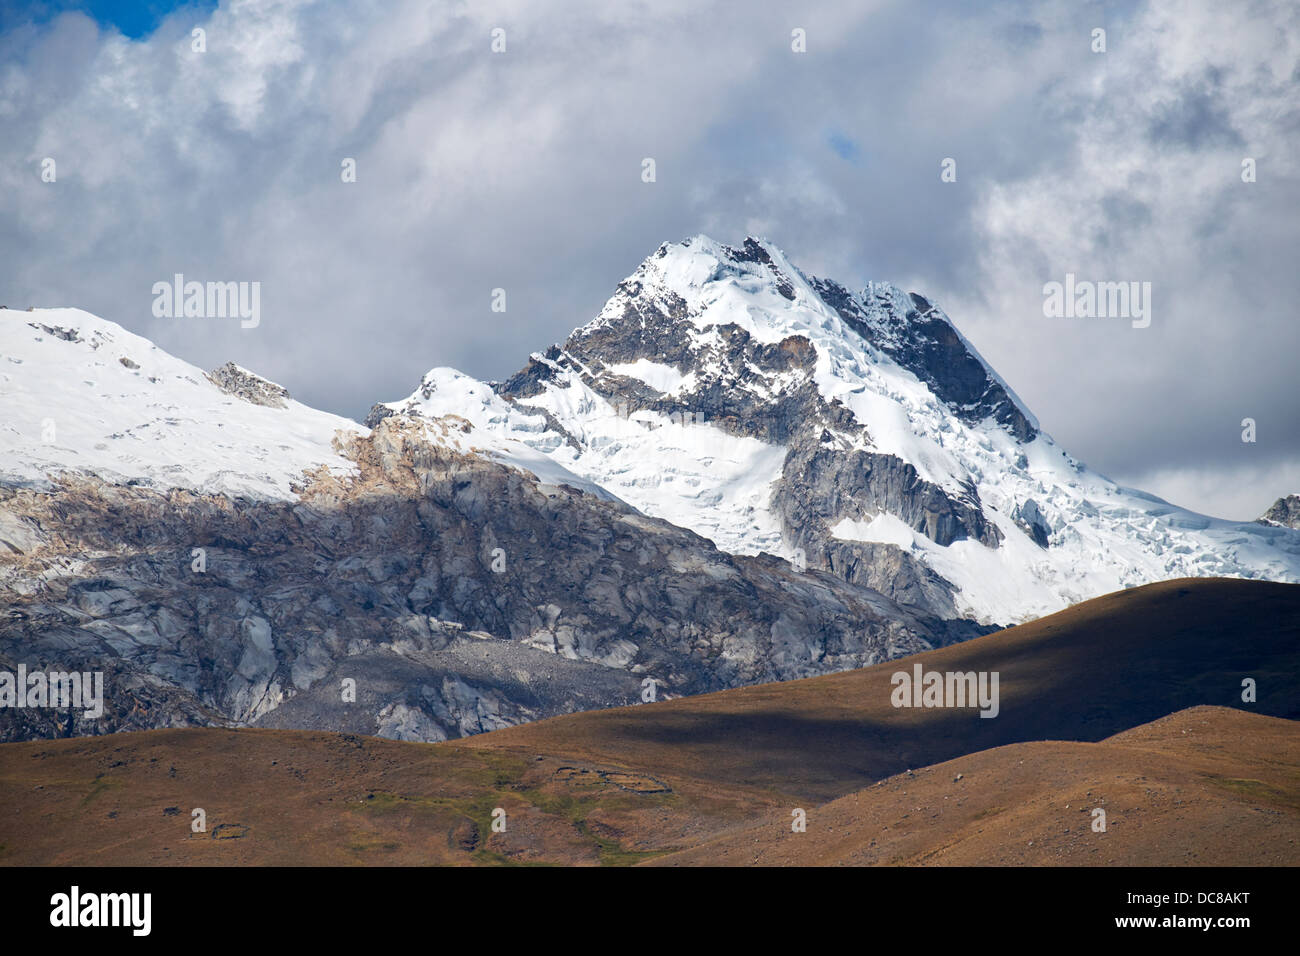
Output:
x=81 y=394
x=725 y=390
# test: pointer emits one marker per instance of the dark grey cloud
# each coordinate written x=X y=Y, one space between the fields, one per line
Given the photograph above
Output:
x=522 y=171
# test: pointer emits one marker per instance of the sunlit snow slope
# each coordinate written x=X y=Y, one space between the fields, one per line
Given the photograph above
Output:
x=82 y=395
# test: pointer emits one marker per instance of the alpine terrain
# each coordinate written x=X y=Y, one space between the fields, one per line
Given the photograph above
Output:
x=853 y=431
x=735 y=474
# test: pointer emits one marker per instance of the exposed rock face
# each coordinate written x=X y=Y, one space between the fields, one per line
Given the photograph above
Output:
x=1032 y=521
x=1285 y=513
x=891 y=570
x=67 y=335
x=244 y=384
x=767 y=391
x=457 y=593
x=923 y=341
x=820 y=484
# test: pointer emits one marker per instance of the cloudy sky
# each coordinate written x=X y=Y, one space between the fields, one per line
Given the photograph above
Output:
x=522 y=170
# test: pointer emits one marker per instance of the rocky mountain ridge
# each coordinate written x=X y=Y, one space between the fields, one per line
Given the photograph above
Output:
x=736 y=473
x=724 y=390
x=1284 y=513
x=454 y=588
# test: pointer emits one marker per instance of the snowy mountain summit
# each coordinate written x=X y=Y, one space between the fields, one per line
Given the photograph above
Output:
x=81 y=395
x=859 y=432
x=225 y=556
x=485 y=554
x=720 y=389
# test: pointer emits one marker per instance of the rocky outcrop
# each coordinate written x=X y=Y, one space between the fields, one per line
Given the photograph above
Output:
x=1032 y=521
x=890 y=570
x=920 y=338
x=447 y=593
x=1284 y=513
x=242 y=383
x=67 y=335
x=821 y=485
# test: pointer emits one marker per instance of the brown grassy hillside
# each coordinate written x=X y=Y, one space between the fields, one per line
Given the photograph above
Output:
x=714 y=778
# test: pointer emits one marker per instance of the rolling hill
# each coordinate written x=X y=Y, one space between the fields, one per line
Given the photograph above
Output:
x=1131 y=703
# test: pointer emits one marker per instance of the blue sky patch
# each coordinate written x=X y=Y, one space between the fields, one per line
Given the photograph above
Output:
x=846 y=148
x=135 y=19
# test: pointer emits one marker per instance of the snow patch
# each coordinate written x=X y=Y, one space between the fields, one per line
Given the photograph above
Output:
x=95 y=399
x=662 y=378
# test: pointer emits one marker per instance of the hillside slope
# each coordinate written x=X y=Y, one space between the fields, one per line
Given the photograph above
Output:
x=644 y=782
x=1203 y=786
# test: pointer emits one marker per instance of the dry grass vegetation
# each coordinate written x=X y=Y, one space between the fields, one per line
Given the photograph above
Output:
x=1122 y=703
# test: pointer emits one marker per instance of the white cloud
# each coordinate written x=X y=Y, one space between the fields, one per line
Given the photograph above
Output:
x=522 y=170
x=1233 y=492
